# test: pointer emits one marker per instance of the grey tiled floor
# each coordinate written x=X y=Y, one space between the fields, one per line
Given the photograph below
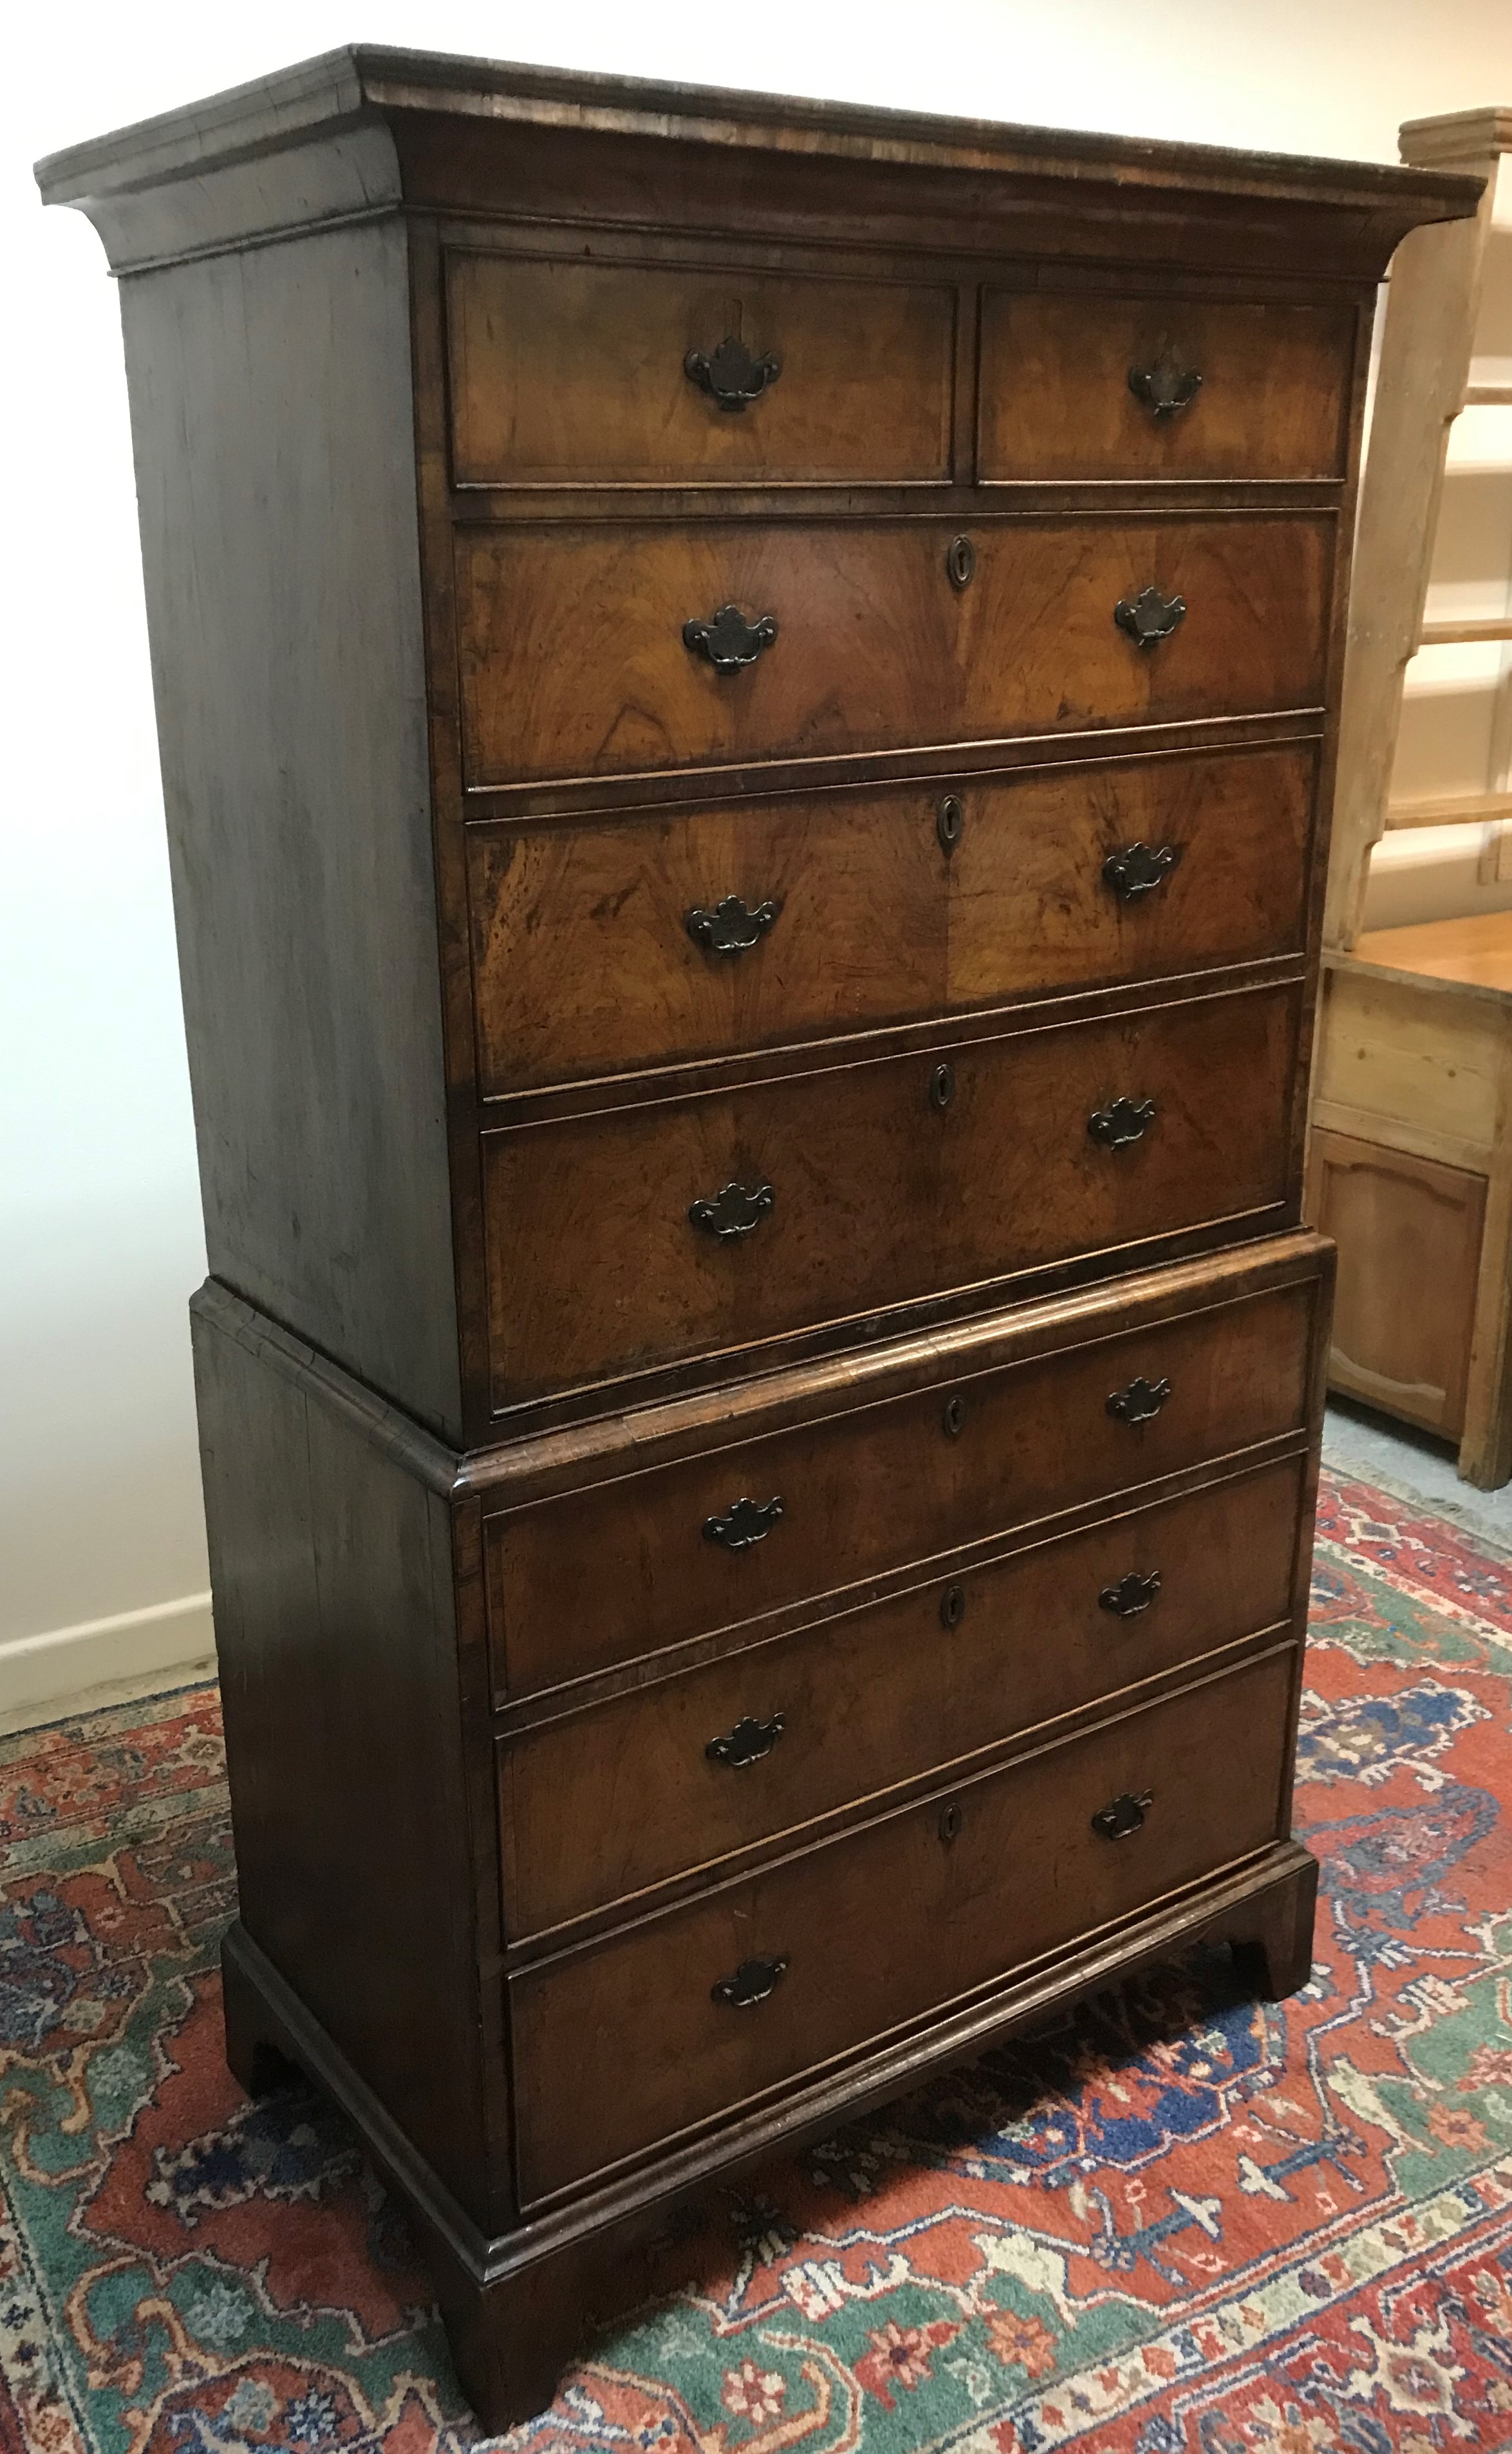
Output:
x=1356 y=1441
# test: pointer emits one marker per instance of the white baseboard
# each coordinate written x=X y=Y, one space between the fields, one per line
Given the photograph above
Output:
x=106 y=1661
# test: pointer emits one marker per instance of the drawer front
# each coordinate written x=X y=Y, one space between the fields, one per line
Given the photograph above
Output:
x=1078 y=386
x=567 y=374
x=624 y=2045
x=574 y=662
x=625 y=1568
x=830 y=1195
x=604 y=1803
x=601 y=948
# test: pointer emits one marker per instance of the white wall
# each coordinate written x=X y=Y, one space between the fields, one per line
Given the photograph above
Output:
x=99 y=1236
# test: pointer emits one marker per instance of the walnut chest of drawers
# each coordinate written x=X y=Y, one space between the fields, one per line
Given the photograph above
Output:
x=746 y=697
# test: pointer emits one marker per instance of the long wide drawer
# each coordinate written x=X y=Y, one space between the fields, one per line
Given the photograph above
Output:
x=571 y=373
x=591 y=649
x=638 y=1562
x=606 y=946
x=636 y=1237
x=622 y=2046
x=605 y=1803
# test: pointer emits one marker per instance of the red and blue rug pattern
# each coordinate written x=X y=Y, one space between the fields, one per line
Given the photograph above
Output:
x=1183 y=2223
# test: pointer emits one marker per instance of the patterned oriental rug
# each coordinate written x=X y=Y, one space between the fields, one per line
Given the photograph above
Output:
x=1181 y=2224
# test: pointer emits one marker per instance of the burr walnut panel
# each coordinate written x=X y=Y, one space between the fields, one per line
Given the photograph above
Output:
x=627 y=2043
x=1073 y=385
x=566 y=373
x=624 y=1568
x=574 y=663
x=599 y=947
x=602 y=1804
x=629 y=1239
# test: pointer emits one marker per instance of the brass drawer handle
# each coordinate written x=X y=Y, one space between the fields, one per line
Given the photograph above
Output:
x=1122 y=1122
x=731 y=376
x=744 y=1524
x=1124 y=1816
x=752 y=1983
x=1138 y=869
x=1149 y=617
x=729 y=641
x=747 y=1742
x=1166 y=387
x=735 y=1210
x=1131 y=1595
x=1139 y=1402
x=733 y=926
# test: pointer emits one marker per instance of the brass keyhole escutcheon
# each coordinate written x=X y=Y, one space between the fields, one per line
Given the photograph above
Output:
x=951 y=1821
x=960 y=562
x=953 y=1606
x=953 y=1421
x=941 y=1087
x=949 y=820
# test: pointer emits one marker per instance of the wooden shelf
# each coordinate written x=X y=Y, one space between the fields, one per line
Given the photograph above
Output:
x=1460 y=810
x=1474 y=952
x=1456 y=634
x=1488 y=396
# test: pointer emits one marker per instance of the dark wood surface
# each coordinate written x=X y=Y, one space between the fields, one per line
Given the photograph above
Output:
x=584 y=964
x=609 y=1803
x=438 y=759
x=621 y=2046
x=574 y=374
x=877 y=1196
x=875 y=648
x=622 y=1568
x=272 y=425
x=1055 y=399
x=342 y=1679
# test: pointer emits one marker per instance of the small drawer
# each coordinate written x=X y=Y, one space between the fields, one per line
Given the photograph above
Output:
x=605 y=946
x=612 y=649
x=605 y=1803
x=629 y=2043
x=571 y=374
x=635 y=1237
x=1107 y=386
x=641 y=1562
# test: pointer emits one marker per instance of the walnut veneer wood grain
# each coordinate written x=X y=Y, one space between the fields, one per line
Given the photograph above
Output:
x=622 y=2045
x=622 y=1567
x=1057 y=401
x=566 y=373
x=878 y=1193
x=608 y=1802
x=427 y=494
x=584 y=964
x=574 y=662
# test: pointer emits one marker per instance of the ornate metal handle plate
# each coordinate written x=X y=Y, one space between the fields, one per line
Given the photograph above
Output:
x=729 y=641
x=1139 y=1402
x=747 y=1742
x=1149 y=617
x=733 y=926
x=1125 y=1815
x=1138 y=869
x=752 y=1983
x=735 y=1210
x=1166 y=387
x=732 y=376
x=1122 y=1122
x=745 y=1523
x=1131 y=1595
